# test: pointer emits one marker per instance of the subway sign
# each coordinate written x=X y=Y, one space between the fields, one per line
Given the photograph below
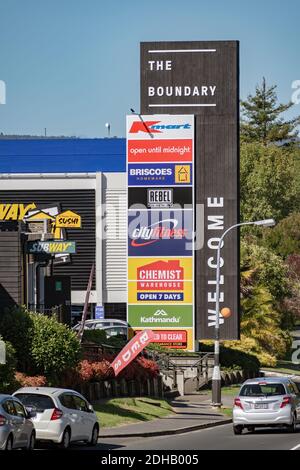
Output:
x=15 y=211
x=61 y=247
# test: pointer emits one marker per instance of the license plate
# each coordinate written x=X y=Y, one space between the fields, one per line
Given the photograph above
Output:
x=261 y=406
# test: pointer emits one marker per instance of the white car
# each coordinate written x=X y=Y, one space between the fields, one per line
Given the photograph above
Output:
x=62 y=416
x=267 y=402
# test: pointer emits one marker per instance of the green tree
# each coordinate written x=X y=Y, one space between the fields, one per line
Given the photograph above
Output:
x=54 y=347
x=261 y=117
x=7 y=370
x=261 y=267
x=15 y=325
x=284 y=239
x=269 y=181
x=263 y=286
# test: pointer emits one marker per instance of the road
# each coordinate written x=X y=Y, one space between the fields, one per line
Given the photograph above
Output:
x=218 y=438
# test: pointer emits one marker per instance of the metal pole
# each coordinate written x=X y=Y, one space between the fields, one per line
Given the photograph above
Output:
x=216 y=378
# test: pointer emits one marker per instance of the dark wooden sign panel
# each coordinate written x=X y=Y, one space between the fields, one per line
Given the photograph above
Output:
x=202 y=78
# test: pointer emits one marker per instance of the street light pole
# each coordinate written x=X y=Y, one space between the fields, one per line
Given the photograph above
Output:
x=216 y=378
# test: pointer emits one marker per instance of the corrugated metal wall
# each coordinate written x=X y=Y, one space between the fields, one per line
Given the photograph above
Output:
x=11 y=291
x=115 y=229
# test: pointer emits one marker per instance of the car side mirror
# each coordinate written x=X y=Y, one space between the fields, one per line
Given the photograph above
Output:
x=91 y=409
x=31 y=414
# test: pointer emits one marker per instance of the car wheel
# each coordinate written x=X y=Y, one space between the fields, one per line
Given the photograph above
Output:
x=237 y=430
x=94 y=439
x=66 y=439
x=293 y=427
x=9 y=443
x=31 y=443
x=251 y=428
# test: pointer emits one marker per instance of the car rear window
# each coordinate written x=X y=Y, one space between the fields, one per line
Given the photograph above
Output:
x=262 y=390
x=37 y=402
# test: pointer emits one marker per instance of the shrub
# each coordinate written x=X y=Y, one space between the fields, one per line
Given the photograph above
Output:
x=54 y=346
x=230 y=357
x=85 y=371
x=88 y=371
x=7 y=371
x=30 y=381
x=94 y=336
x=15 y=326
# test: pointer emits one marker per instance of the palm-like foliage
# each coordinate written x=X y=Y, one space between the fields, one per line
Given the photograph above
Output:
x=261 y=333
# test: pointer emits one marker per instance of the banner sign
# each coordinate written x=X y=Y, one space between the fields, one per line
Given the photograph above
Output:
x=160 y=159
x=156 y=233
x=160 y=198
x=131 y=350
x=160 y=274
x=51 y=247
x=148 y=151
x=166 y=174
x=183 y=295
x=162 y=315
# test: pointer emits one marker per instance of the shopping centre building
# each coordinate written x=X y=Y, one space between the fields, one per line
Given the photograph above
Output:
x=63 y=210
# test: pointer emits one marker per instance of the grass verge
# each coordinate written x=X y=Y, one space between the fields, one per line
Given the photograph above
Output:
x=120 y=411
x=227 y=412
x=231 y=391
x=284 y=367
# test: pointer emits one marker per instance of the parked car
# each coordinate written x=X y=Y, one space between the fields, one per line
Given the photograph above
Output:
x=16 y=427
x=266 y=402
x=62 y=416
x=115 y=331
x=101 y=324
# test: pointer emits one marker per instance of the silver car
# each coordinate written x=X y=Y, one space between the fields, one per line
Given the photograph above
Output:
x=62 y=416
x=267 y=402
x=101 y=324
x=16 y=427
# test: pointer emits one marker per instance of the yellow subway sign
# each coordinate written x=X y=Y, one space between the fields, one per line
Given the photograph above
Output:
x=68 y=219
x=15 y=211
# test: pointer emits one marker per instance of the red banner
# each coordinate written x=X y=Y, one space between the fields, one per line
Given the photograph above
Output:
x=168 y=150
x=131 y=350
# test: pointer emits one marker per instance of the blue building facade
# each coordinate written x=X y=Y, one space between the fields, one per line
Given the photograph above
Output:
x=62 y=155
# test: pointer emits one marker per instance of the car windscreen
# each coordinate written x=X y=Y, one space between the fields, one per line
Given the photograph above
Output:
x=262 y=390
x=35 y=401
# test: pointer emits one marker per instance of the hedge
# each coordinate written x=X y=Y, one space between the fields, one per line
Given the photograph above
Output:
x=233 y=358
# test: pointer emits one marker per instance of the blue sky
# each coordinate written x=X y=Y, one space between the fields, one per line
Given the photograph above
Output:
x=72 y=65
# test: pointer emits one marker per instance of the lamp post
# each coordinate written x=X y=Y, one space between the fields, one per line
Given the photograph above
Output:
x=216 y=378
